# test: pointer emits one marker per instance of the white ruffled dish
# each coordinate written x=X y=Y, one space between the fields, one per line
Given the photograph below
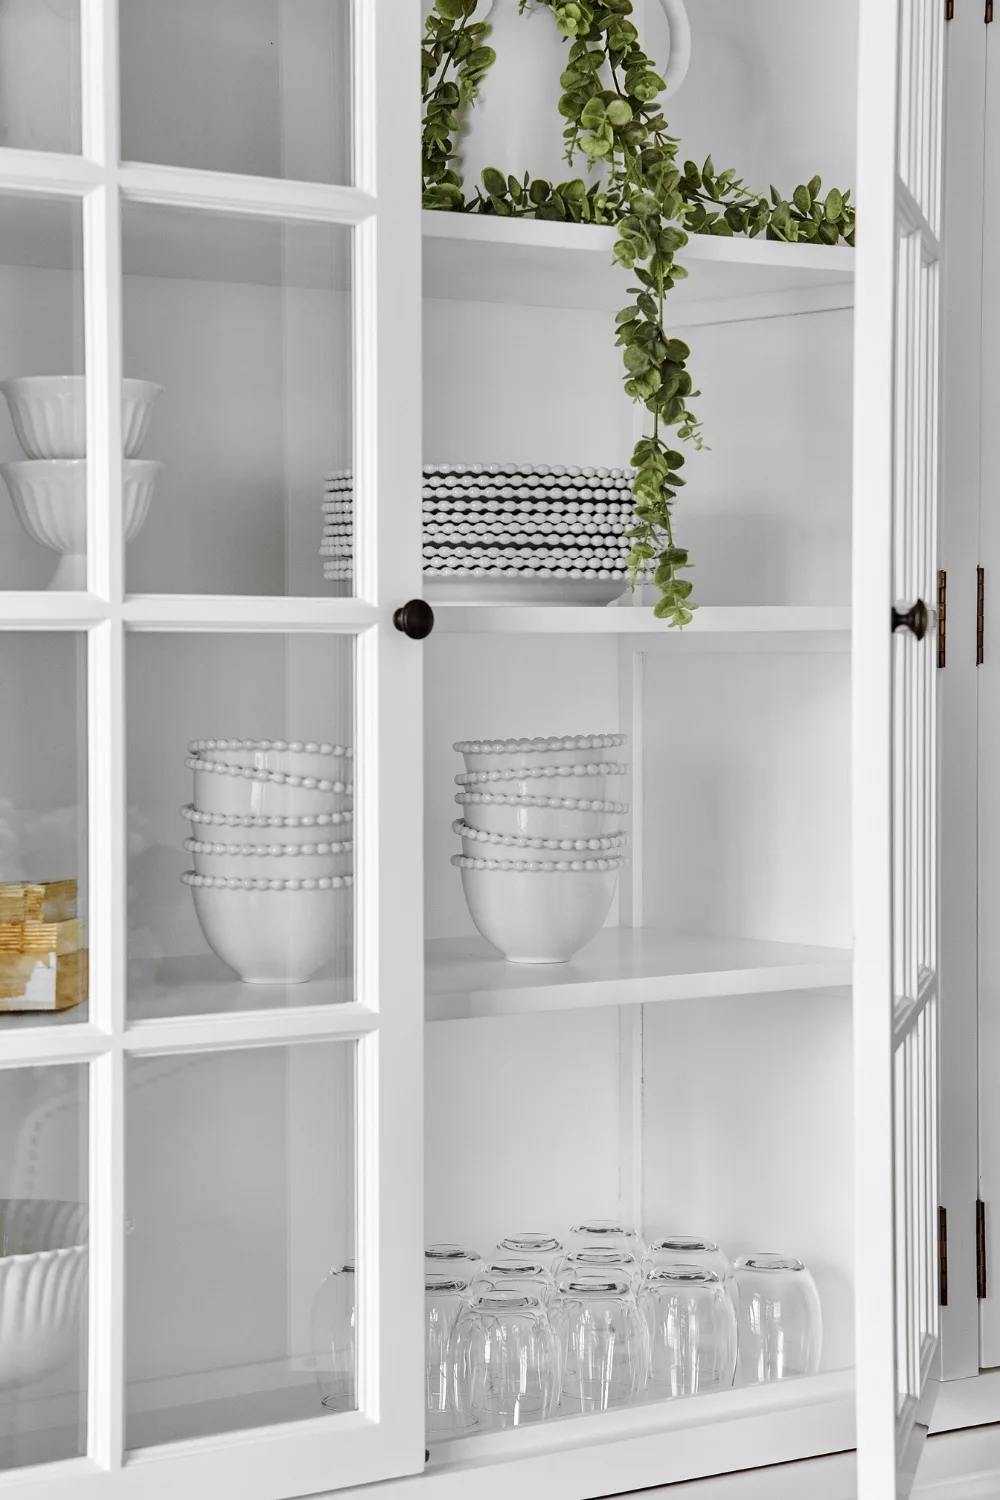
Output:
x=555 y=750
x=43 y=1280
x=541 y=816
x=273 y=936
x=538 y=911
x=49 y=414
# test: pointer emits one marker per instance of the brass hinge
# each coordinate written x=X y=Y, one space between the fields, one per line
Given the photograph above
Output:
x=980 y=1249
x=942 y=627
x=943 y=1256
x=949 y=10
x=980 y=614
x=989 y=12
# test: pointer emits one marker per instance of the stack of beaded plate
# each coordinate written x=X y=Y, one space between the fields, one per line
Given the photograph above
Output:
x=505 y=532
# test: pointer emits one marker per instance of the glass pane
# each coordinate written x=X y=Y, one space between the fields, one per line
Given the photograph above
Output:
x=43 y=829
x=40 y=75
x=255 y=86
x=246 y=325
x=240 y=1185
x=42 y=416
x=240 y=877
x=43 y=1265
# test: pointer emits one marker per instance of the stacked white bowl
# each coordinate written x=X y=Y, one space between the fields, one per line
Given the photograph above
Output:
x=273 y=856
x=542 y=841
x=49 y=487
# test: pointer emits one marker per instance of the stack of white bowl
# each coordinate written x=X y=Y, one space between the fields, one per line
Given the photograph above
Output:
x=273 y=853
x=49 y=487
x=542 y=841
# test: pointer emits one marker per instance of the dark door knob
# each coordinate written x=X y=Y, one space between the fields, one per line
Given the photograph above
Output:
x=415 y=619
x=915 y=619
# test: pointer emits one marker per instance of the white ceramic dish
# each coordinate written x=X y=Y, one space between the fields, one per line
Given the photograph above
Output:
x=293 y=757
x=50 y=498
x=272 y=936
x=535 y=915
x=309 y=860
x=261 y=827
x=478 y=843
x=541 y=816
x=599 y=779
x=49 y=413
x=223 y=789
x=43 y=1279
x=555 y=750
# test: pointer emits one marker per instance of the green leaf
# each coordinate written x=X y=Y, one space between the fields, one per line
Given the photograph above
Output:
x=814 y=187
x=619 y=113
x=539 y=190
x=494 y=182
x=593 y=115
x=834 y=206
x=802 y=199
x=453 y=10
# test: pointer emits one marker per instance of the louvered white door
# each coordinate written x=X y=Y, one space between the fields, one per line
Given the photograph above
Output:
x=895 y=731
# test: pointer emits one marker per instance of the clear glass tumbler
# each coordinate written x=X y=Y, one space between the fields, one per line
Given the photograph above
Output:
x=517 y=1272
x=534 y=1244
x=780 y=1319
x=451 y=1260
x=445 y=1298
x=692 y=1330
x=604 y=1343
x=687 y=1250
x=334 y=1339
x=506 y=1362
x=607 y=1232
x=590 y=1260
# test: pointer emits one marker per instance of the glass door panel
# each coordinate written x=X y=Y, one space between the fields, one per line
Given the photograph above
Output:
x=245 y=324
x=240 y=1267
x=43 y=468
x=40 y=75
x=241 y=806
x=43 y=1265
x=229 y=86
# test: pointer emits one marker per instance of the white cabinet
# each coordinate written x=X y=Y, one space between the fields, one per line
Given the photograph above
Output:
x=747 y=1049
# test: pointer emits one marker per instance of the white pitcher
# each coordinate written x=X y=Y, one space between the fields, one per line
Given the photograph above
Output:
x=515 y=124
x=40 y=74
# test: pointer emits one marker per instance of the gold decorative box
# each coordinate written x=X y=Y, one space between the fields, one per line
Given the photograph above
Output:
x=43 y=963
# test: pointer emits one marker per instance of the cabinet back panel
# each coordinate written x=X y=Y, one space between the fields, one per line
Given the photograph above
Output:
x=486 y=686
x=748 y=1135
x=746 y=796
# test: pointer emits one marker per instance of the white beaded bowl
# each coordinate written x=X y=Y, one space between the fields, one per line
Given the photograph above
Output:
x=304 y=758
x=268 y=936
x=49 y=413
x=303 y=859
x=568 y=750
x=43 y=1280
x=219 y=788
x=479 y=844
x=50 y=498
x=594 y=779
x=541 y=815
x=543 y=913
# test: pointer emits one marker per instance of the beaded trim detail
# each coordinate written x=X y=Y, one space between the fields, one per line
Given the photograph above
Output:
x=279 y=778
x=222 y=883
x=266 y=820
x=539 y=866
x=536 y=773
x=567 y=804
x=199 y=846
x=569 y=742
x=609 y=843
x=298 y=747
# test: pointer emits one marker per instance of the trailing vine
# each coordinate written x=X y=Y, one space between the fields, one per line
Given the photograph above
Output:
x=653 y=202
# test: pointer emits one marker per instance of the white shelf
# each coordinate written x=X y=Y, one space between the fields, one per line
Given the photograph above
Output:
x=765 y=619
x=465 y=977
x=481 y=258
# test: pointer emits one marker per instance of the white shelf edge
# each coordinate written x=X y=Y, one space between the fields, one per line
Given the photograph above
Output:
x=513 y=619
x=804 y=968
x=594 y=239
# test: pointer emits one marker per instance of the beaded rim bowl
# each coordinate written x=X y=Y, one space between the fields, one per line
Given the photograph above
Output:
x=538 y=773
x=266 y=820
x=609 y=843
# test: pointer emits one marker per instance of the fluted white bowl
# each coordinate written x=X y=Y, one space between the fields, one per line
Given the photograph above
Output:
x=273 y=936
x=50 y=498
x=306 y=859
x=49 y=413
x=541 y=815
x=43 y=1279
x=538 y=916
x=219 y=788
x=567 y=750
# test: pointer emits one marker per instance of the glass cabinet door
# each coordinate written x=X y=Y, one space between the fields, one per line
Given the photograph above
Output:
x=211 y=932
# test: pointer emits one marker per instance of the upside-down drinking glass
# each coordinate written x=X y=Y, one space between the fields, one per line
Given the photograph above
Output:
x=535 y=1244
x=444 y=1299
x=334 y=1339
x=604 y=1343
x=780 y=1320
x=688 y=1250
x=591 y=1260
x=451 y=1260
x=607 y=1232
x=519 y=1272
x=506 y=1361
x=692 y=1330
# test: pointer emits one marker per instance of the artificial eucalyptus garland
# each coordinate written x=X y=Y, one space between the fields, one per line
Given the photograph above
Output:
x=645 y=194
